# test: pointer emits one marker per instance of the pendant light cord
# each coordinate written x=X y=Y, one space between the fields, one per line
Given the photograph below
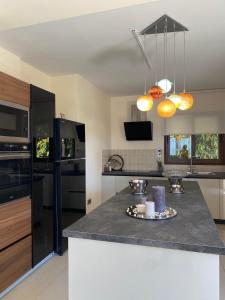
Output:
x=156 y=51
x=165 y=54
x=174 y=59
x=184 y=62
x=145 y=82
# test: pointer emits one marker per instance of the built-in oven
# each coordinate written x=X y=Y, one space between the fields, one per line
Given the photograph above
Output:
x=14 y=122
x=14 y=171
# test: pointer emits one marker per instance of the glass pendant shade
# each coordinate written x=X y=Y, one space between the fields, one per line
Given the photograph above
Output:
x=144 y=103
x=187 y=101
x=166 y=108
x=155 y=92
x=165 y=85
x=176 y=99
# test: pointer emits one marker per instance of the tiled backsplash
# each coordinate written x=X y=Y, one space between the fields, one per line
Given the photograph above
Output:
x=134 y=159
x=145 y=159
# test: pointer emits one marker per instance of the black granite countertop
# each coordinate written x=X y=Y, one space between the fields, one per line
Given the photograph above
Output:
x=215 y=175
x=192 y=229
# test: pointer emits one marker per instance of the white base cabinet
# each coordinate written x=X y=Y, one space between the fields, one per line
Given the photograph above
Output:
x=130 y=272
x=211 y=190
x=222 y=199
x=111 y=185
x=108 y=187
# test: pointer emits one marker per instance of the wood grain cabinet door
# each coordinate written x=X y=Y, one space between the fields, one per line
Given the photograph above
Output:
x=14 y=90
x=15 y=221
x=15 y=261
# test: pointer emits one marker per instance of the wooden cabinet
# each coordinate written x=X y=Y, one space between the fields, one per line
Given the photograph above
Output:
x=15 y=261
x=14 y=90
x=15 y=221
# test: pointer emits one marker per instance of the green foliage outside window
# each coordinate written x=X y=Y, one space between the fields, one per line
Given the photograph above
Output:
x=207 y=146
x=42 y=147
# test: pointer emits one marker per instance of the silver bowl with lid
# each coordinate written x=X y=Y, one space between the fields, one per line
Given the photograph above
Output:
x=175 y=180
x=138 y=186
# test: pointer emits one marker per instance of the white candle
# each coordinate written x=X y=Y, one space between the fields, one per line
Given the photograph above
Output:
x=150 y=209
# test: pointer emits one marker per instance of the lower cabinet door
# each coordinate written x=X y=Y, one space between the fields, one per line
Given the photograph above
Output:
x=15 y=261
x=210 y=189
x=15 y=221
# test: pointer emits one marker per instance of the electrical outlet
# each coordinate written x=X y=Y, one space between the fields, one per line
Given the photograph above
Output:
x=89 y=201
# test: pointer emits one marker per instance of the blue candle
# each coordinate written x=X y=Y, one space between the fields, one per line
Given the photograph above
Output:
x=158 y=195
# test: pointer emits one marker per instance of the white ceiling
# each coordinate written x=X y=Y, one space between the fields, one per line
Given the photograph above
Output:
x=14 y=13
x=101 y=48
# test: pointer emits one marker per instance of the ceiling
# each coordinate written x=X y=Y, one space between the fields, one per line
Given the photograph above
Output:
x=14 y=14
x=100 y=46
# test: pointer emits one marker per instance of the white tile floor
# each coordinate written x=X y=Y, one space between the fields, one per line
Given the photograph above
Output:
x=50 y=282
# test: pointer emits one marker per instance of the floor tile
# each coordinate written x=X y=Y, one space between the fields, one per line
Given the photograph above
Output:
x=48 y=282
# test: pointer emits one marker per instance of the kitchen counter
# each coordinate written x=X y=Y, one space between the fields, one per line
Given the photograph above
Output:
x=192 y=229
x=123 y=258
x=146 y=173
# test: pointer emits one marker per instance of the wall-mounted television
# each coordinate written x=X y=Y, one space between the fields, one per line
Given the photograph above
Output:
x=138 y=131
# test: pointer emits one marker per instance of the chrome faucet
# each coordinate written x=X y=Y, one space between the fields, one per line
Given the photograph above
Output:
x=191 y=162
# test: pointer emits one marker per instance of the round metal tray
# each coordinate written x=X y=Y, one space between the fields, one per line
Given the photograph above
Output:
x=137 y=211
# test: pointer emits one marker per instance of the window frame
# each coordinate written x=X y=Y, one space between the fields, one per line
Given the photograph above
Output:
x=195 y=161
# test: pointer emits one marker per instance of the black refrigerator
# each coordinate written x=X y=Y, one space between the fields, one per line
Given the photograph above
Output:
x=69 y=177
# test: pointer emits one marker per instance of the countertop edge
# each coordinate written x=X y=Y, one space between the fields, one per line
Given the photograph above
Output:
x=216 y=175
x=149 y=243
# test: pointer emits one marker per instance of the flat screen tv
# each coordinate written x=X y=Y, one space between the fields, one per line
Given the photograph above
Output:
x=138 y=131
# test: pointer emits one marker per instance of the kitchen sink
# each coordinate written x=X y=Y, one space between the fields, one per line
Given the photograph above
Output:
x=200 y=173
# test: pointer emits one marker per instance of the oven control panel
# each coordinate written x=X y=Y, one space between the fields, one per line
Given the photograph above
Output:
x=14 y=147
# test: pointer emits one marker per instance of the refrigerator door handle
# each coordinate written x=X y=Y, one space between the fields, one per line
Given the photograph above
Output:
x=69 y=160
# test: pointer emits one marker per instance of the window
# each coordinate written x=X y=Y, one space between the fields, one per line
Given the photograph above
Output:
x=204 y=148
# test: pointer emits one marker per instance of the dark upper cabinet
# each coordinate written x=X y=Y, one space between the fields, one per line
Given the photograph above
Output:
x=42 y=122
x=42 y=112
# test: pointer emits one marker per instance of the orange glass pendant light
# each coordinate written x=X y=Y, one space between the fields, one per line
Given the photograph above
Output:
x=155 y=92
x=166 y=108
x=145 y=102
x=187 y=101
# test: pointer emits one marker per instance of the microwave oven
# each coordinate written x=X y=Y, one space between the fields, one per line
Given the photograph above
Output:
x=14 y=122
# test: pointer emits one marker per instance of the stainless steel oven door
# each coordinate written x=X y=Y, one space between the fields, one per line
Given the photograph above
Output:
x=14 y=122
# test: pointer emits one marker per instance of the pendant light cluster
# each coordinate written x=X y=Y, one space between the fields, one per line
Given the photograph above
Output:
x=167 y=105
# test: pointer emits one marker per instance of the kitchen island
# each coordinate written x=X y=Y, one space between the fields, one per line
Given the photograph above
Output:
x=113 y=256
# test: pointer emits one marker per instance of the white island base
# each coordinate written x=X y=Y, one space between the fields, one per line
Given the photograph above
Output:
x=101 y=270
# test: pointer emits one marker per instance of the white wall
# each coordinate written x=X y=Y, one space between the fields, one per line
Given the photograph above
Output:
x=120 y=112
x=14 y=66
x=207 y=101
x=81 y=101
